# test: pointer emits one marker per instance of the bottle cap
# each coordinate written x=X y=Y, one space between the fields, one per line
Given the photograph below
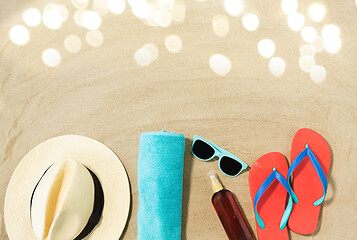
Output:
x=216 y=183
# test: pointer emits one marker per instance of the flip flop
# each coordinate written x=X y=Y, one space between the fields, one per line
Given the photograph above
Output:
x=268 y=190
x=312 y=158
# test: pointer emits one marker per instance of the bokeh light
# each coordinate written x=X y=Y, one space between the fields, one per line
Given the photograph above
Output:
x=277 y=66
x=331 y=38
x=173 y=43
x=140 y=8
x=289 y=6
x=91 y=20
x=317 y=12
x=178 y=12
x=32 y=17
x=59 y=8
x=166 y=4
x=306 y=63
x=332 y=45
x=19 y=35
x=318 y=44
x=72 y=43
x=94 y=38
x=266 y=48
x=51 y=57
x=77 y=16
x=296 y=21
x=318 y=74
x=233 y=7
x=330 y=31
x=220 y=25
x=116 y=6
x=143 y=57
x=220 y=64
x=153 y=50
x=163 y=18
x=100 y=6
x=308 y=34
x=307 y=50
x=52 y=19
x=250 y=22
x=80 y=4
x=63 y=10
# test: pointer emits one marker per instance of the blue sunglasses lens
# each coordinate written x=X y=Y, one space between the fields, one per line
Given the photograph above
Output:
x=202 y=150
x=230 y=166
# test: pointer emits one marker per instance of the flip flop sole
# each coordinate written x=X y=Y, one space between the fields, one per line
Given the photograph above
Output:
x=271 y=205
x=306 y=183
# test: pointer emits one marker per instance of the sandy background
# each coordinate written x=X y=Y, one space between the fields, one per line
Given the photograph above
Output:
x=102 y=93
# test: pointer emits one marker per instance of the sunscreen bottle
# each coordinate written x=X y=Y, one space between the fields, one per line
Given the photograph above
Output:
x=228 y=211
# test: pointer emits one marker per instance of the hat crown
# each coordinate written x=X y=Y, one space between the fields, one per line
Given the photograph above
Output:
x=62 y=201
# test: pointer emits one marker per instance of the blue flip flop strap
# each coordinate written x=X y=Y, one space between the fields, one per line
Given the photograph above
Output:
x=274 y=175
x=320 y=172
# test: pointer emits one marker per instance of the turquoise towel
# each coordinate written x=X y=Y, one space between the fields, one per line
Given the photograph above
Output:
x=160 y=179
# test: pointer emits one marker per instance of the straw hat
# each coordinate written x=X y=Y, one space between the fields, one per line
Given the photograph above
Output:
x=68 y=187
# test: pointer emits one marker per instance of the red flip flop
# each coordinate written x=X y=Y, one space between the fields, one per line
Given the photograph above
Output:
x=311 y=158
x=268 y=190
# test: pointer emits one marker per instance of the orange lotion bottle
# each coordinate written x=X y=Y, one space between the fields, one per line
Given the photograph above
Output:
x=228 y=211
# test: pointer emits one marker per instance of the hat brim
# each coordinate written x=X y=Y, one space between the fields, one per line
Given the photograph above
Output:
x=92 y=154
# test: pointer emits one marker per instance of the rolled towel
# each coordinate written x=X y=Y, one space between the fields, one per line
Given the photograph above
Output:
x=160 y=181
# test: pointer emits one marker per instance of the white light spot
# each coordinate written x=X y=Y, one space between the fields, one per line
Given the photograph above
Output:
x=296 y=21
x=221 y=65
x=289 y=6
x=153 y=50
x=173 y=43
x=178 y=12
x=32 y=17
x=60 y=9
x=19 y=35
x=250 y=21
x=100 y=6
x=308 y=34
x=91 y=20
x=266 y=48
x=153 y=17
x=78 y=15
x=307 y=50
x=233 y=7
x=63 y=11
x=80 y=3
x=52 y=19
x=51 y=57
x=72 y=43
x=50 y=7
x=318 y=74
x=143 y=57
x=141 y=9
x=330 y=31
x=94 y=38
x=116 y=6
x=163 y=18
x=166 y=4
x=318 y=44
x=220 y=25
x=317 y=12
x=332 y=45
x=306 y=63
x=277 y=66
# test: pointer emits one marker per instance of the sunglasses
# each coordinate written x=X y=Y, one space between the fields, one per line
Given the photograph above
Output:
x=229 y=164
